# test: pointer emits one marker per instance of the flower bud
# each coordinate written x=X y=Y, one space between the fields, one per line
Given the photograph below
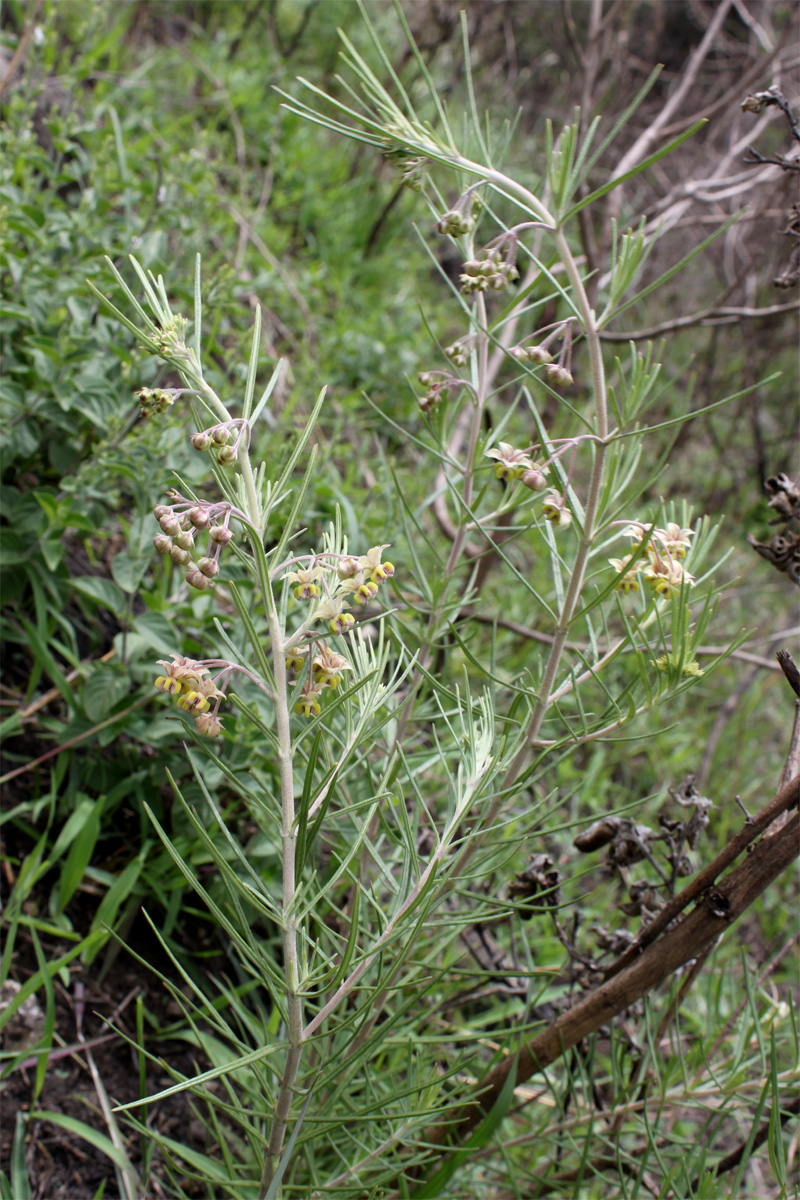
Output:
x=220 y=534
x=227 y=456
x=558 y=376
x=197 y=579
x=170 y=524
x=185 y=540
x=534 y=480
x=210 y=726
x=201 y=440
x=180 y=556
x=538 y=355
x=199 y=517
x=209 y=567
x=161 y=510
x=220 y=435
x=348 y=568
x=162 y=543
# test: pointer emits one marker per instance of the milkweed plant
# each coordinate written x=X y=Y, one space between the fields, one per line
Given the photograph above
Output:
x=401 y=770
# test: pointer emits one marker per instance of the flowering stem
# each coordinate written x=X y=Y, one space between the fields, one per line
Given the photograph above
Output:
x=572 y=596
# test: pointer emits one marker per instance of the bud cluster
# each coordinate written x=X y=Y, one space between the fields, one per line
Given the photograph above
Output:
x=456 y=224
x=154 y=402
x=459 y=351
x=439 y=385
x=183 y=680
x=492 y=270
x=662 y=568
x=459 y=221
x=223 y=440
x=412 y=167
x=171 y=341
x=556 y=373
x=180 y=523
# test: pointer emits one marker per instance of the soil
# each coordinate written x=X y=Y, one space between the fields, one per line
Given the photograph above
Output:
x=62 y=1164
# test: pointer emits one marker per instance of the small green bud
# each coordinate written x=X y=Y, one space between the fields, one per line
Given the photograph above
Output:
x=180 y=556
x=227 y=456
x=208 y=566
x=220 y=534
x=220 y=435
x=201 y=440
x=162 y=543
x=185 y=540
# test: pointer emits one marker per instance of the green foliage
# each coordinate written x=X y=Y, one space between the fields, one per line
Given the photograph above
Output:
x=341 y=847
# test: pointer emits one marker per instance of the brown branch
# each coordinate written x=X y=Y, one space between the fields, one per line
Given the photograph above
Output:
x=687 y=939
x=786 y=798
x=22 y=48
x=720 y=316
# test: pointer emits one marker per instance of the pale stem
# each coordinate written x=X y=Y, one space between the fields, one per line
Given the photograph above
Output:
x=480 y=393
x=572 y=597
x=294 y=1004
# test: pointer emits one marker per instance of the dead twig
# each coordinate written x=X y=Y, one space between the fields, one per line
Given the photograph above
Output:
x=635 y=977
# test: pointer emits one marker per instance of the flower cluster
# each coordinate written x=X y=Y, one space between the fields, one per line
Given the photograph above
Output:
x=662 y=568
x=183 y=679
x=326 y=668
x=492 y=270
x=673 y=661
x=514 y=464
x=357 y=579
x=223 y=440
x=180 y=524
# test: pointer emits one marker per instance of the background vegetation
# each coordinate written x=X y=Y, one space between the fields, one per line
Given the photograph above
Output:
x=154 y=129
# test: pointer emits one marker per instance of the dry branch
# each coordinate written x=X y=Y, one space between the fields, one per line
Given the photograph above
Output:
x=655 y=958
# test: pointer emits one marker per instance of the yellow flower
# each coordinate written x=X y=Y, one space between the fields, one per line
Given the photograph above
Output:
x=511 y=464
x=555 y=509
x=308 y=704
x=628 y=581
x=307 y=588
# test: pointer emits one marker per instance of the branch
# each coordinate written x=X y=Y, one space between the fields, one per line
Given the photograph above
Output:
x=686 y=940
x=720 y=316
